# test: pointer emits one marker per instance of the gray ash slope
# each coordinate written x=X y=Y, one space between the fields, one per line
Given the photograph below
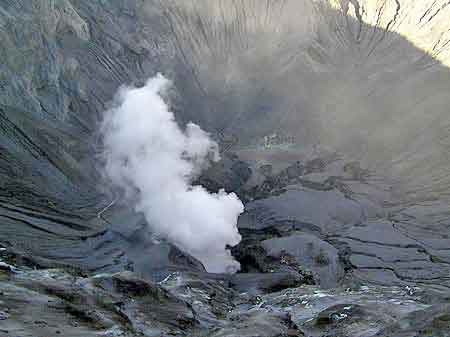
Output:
x=359 y=201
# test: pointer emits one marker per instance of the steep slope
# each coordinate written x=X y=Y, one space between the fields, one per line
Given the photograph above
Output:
x=368 y=78
x=332 y=117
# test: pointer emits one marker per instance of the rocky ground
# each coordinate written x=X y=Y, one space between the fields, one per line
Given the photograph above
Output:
x=51 y=302
x=346 y=228
x=319 y=258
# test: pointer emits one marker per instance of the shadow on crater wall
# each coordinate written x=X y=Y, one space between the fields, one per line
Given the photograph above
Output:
x=326 y=78
x=241 y=69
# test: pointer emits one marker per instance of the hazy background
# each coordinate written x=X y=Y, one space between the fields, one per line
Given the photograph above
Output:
x=362 y=77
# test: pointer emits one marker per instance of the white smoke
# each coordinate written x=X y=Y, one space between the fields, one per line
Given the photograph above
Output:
x=155 y=162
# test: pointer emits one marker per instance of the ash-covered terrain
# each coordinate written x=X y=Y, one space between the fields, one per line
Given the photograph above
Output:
x=332 y=123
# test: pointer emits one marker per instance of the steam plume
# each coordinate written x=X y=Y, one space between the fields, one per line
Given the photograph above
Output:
x=155 y=162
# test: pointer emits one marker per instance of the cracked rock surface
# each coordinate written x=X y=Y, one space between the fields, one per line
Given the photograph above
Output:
x=333 y=120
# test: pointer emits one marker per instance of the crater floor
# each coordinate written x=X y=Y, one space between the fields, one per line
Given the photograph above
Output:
x=332 y=117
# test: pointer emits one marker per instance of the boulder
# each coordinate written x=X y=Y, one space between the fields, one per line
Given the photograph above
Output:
x=310 y=253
